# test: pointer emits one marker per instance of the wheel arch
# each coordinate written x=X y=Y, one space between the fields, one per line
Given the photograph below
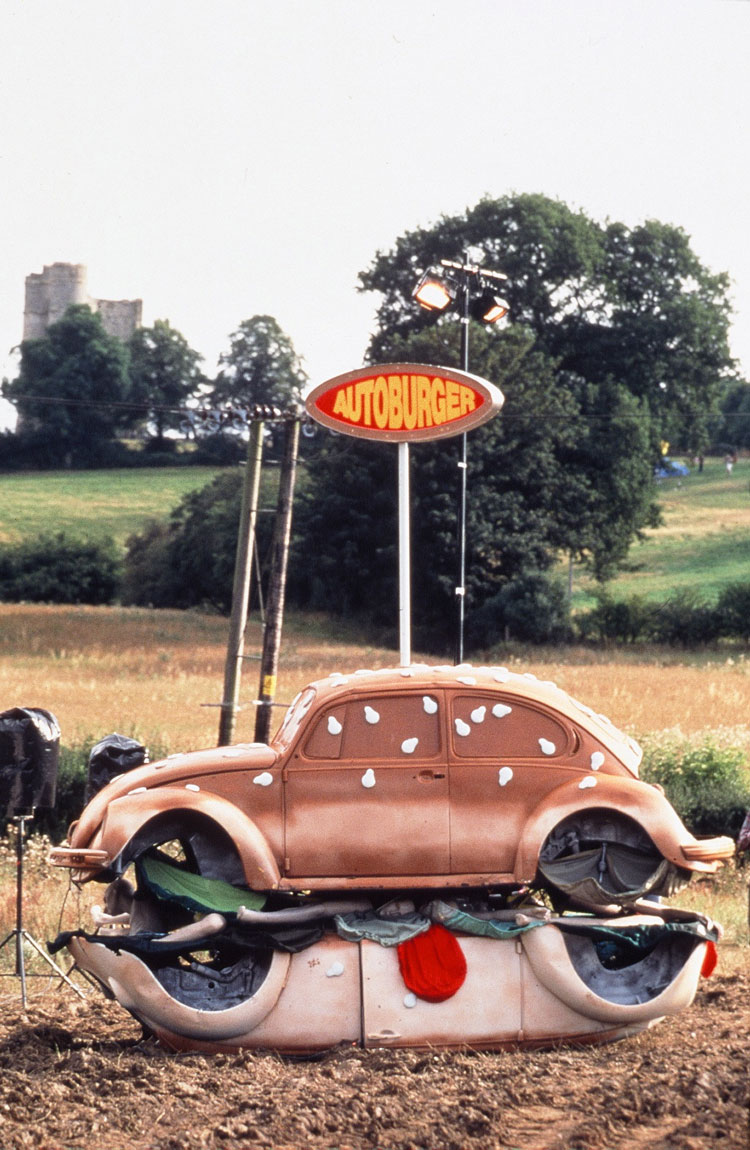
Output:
x=635 y=800
x=126 y=817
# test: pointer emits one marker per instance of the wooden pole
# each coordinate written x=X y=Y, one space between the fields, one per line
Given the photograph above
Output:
x=241 y=588
x=277 y=585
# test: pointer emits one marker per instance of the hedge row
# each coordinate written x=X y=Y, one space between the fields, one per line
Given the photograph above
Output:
x=161 y=569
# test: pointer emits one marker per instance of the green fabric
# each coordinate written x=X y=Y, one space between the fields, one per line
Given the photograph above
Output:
x=455 y=919
x=193 y=891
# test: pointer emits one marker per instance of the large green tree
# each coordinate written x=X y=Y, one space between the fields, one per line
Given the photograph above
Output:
x=164 y=373
x=617 y=339
x=634 y=305
x=72 y=389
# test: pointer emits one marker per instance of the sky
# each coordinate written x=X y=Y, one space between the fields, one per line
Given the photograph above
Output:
x=220 y=159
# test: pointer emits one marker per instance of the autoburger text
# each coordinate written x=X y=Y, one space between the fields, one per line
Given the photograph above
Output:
x=407 y=402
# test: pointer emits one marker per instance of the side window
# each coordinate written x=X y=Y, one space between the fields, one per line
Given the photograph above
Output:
x=395 y=727
x=495 y=727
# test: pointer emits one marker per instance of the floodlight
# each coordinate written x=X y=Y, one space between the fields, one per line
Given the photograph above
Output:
x=489 y=307
x=433 y=292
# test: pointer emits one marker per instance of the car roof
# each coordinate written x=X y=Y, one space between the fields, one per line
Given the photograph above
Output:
x=523 y=685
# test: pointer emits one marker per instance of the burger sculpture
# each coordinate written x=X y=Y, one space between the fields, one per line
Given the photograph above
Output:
x=442 y=856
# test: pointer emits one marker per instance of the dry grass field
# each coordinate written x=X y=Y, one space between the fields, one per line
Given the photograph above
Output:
x=159 y=674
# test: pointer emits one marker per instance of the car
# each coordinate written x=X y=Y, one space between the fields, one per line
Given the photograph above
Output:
x=412 y=839
x=409 y=777
x=671 y=469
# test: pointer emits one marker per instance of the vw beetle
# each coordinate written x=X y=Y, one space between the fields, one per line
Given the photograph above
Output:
x=412 y=777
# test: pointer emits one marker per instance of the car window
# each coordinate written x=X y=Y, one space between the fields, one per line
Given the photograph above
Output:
x=396 y=727
x=495 y=727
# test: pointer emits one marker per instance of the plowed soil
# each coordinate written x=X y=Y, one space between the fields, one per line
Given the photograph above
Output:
x=80 y=1075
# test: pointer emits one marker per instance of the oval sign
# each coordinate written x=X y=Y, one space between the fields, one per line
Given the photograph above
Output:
x=404 y=401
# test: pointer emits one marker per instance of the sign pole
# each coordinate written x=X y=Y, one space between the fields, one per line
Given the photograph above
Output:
x=404 y=555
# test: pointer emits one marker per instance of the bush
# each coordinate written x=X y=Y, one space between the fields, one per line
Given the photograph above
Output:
x=60 y=569
x=733 y=610
x=708 y=785
x=617 y=620
x=531 y=608
x=685 y=620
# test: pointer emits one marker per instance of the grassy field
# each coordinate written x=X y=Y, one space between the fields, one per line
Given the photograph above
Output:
x=92 y=504
x=703 y=544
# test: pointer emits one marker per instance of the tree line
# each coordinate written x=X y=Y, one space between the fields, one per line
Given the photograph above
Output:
x=617 y=343
x=81 y=392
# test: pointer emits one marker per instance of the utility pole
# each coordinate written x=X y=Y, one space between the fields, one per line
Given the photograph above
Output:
x=277 y=587
x=241 y=587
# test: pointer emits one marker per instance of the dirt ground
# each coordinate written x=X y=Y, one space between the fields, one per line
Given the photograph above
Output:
x=79 y=1074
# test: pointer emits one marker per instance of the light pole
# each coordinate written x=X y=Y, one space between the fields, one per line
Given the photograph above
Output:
x=436 y=291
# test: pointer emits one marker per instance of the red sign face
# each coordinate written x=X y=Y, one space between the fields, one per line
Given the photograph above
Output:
x=404 y=401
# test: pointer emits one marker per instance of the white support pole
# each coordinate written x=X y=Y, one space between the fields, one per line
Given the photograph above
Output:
x=404 y=556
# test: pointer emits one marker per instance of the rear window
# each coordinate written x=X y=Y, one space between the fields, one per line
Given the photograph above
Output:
x=495 y=727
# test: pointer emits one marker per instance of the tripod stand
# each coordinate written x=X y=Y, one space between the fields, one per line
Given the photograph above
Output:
x=19 y=933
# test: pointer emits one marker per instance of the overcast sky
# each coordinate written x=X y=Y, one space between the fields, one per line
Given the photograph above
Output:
x=224 y=158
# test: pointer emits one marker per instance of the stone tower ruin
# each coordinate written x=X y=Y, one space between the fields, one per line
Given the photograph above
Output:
x=51 y=292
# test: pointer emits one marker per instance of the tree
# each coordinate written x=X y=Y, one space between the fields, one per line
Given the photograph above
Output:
x=72 y=388
x=617 y=338
x=606 y=302
x=164 y=373
x=260 y=367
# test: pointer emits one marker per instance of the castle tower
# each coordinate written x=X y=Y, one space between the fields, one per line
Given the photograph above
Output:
x=51 y=292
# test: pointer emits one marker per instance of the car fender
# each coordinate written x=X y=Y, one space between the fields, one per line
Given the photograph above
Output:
x=644 y=804
x=125 y=816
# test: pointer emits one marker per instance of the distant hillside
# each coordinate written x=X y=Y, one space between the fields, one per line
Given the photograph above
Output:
x=704 y=542
x=92 y=503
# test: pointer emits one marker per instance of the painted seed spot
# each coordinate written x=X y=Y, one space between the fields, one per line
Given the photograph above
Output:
x=409 y=746
x=368 y=778
x=584 y=784
x=548 y=748
x=334 y=726
x=336 y=969
x=468 y=680
x=597 y=760
x=502 y=674
x=477 y=715
x=462 y=728
x=410 y=1000
x=430 y=705
x=505 y=774
x=192 y=787
x=372 y=715
x=263 y=780
x=500 y=710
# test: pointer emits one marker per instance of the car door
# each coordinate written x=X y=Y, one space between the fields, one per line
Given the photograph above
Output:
x=505 y=755
x=366 y=791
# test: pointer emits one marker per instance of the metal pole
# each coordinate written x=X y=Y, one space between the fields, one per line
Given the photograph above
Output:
x=241 y=588
x=20 y=964
x=463 y=467
x=276 y=592
x=404 y=556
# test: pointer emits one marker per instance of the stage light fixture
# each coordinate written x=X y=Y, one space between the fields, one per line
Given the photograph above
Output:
x=433 y=292
x=489 y=307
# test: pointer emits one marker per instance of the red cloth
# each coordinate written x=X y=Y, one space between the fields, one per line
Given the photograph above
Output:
x=710 y=958
x=432 y=964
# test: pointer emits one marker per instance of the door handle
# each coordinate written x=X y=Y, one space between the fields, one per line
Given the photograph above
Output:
x=428 y=776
